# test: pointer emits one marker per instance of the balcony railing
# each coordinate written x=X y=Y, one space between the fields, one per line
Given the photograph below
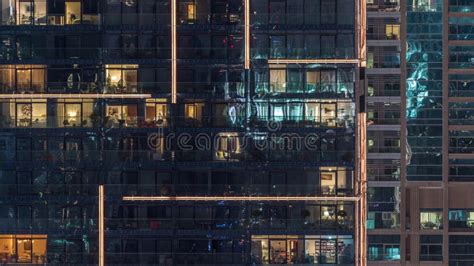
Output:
x=130 y=121
x=170 y=190
x=152 y=224
x=345 y=156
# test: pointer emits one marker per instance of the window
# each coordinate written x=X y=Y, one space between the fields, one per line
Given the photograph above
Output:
x=328 y=115
x=73 y=12
x=335 y=180
x=129 y=43
x=121 y=115
x=187 y=13
x=193 y=114
x=461 y=219
x=277 y=11
x=121 y=78
x=25 y=78
x=278 y=80
x=392 y=32
x=23 y=248
x=31 y=12
x=431 y=219
x=191 y=11
x=328 y=45
x=31 y=114
x=7 y=78
x=384 y=247
x=228 y=146
x=74 y=113
x=7 y=15
x=425 y=5
x=370 y=60
x=277 y=46
x=317 y=249
x=156 y=113
x=431 y=248
x=328 y=12
x=90 y=10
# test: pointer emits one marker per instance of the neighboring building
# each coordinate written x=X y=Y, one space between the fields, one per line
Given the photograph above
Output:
x=423 y=188
x=383 y=131
x=188 y=103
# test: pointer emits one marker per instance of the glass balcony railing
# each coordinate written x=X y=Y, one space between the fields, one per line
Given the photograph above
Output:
x=345 y=156
x=386 y=6
x=130 y=121
x=326 y=90
x=384 y=121
x=244 y=223
x=166 y=189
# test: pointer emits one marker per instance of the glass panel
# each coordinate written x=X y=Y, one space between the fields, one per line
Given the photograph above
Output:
x=278 y=80
x=278 y=253
x=73 y=12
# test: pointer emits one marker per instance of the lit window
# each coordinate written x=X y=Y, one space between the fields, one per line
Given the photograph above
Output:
x=191 y=11
x=31 y=12
x=156 y=113
x=23 y=249
x=278 y=80
x=30 y=78
x=31 y=114
x=431 y=219
x=425 y=5
x=228 y=146
x=121 y=78
x=121 y=115
x=392 y=32
x=328 y=115
x=193 y=114
x=73 y=12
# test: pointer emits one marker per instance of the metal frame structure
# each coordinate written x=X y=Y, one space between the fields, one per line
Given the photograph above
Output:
x=101 y=226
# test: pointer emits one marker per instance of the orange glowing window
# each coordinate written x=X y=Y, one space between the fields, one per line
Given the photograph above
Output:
x=191 y=11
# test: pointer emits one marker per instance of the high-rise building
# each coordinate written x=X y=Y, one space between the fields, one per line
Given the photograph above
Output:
x=383 y=131
x=420 y=161
x=178 y=132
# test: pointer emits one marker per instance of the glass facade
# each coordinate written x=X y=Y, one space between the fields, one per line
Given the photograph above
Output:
x=424 y=58
x=152 y=98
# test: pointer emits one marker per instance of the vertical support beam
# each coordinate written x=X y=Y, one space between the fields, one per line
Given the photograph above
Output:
x=247 y=34
x=362 y=190
x=361 y=149
x=362 y=33
x=174 y=74
x=361 y=184
x=101 y=226
x=445 y=123
x=405 y=238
